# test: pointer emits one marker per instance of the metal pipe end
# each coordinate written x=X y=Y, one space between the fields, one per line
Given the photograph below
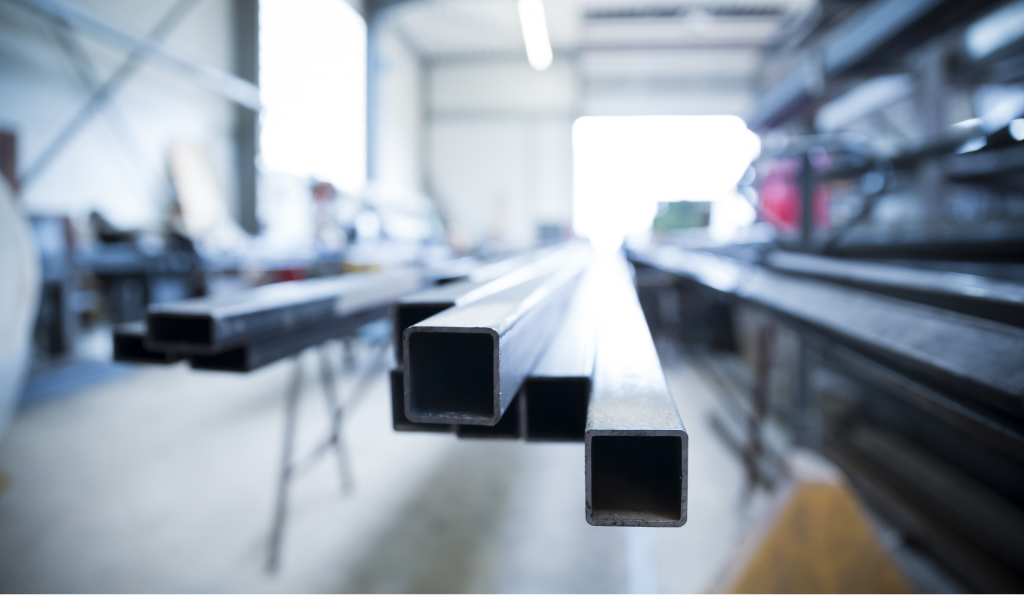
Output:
x=636 y=478
x=451 y=375
x=555 y=409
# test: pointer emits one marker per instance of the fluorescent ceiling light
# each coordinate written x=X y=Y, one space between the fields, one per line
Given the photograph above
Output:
x=535 y=33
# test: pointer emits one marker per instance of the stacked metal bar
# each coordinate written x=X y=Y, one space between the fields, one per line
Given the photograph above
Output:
x=466 y=364
x=480 y=283
x=250 y=329
x=562 y=354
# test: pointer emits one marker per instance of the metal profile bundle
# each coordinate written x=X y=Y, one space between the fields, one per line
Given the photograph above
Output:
x=911 y=348
x=986 y=297
x=977 y=357
x=466 y=364
x=636 y=444
x=478 y=284
x=552 y=404
x=212 y=325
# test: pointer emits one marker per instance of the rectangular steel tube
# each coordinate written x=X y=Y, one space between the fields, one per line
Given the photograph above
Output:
x=211 y=325
x=465 y=365
x=636 y=444
x=129 y=346
x=269 y=349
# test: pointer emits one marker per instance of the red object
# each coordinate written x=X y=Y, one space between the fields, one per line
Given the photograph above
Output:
x=780 y=198
x=291 y=275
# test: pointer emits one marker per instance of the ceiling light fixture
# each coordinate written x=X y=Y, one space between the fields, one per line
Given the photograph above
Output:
x=535 y=34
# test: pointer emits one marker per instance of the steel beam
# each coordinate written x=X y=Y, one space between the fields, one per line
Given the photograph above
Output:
x=465 y=365
x=129 y=346
x=636 y=444
x=212 y=325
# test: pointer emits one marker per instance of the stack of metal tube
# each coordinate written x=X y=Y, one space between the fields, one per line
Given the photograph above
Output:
x=554 y=348
x=547 y=346
x=250 y=329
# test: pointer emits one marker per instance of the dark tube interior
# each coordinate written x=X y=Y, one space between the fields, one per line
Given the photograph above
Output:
x=131 y=349
x=556 y=408
x=636 y=477
x=233 y=360
x=398 y=419
x=452 y=374
x=171 y=329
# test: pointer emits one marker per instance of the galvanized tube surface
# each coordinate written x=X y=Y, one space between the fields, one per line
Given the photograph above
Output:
x=466 y=364
x=636 y=444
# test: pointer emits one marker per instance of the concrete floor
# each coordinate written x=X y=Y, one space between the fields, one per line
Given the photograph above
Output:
x=162 y=480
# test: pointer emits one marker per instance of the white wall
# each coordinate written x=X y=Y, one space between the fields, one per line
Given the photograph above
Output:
x=500 y=149
x=399 y=143
x=117 y=163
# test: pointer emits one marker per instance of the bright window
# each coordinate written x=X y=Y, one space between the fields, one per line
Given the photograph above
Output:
x=623 y=166
x=313 y=88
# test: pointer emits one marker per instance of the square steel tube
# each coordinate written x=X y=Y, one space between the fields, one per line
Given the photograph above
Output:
x=635 y=442
x=466 y=364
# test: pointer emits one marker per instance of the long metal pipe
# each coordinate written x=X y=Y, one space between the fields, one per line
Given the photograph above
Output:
x=554 y=399
x=212 y=325
x=466 y=364
x=268 y=349
x=636 y=444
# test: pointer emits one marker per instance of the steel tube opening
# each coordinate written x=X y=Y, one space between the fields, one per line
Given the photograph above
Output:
x=636 y=477
x=451 y=375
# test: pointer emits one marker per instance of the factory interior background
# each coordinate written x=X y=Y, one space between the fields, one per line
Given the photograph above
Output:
x=785 y=234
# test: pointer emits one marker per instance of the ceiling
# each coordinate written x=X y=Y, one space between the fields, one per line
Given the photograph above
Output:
x=640 y=46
